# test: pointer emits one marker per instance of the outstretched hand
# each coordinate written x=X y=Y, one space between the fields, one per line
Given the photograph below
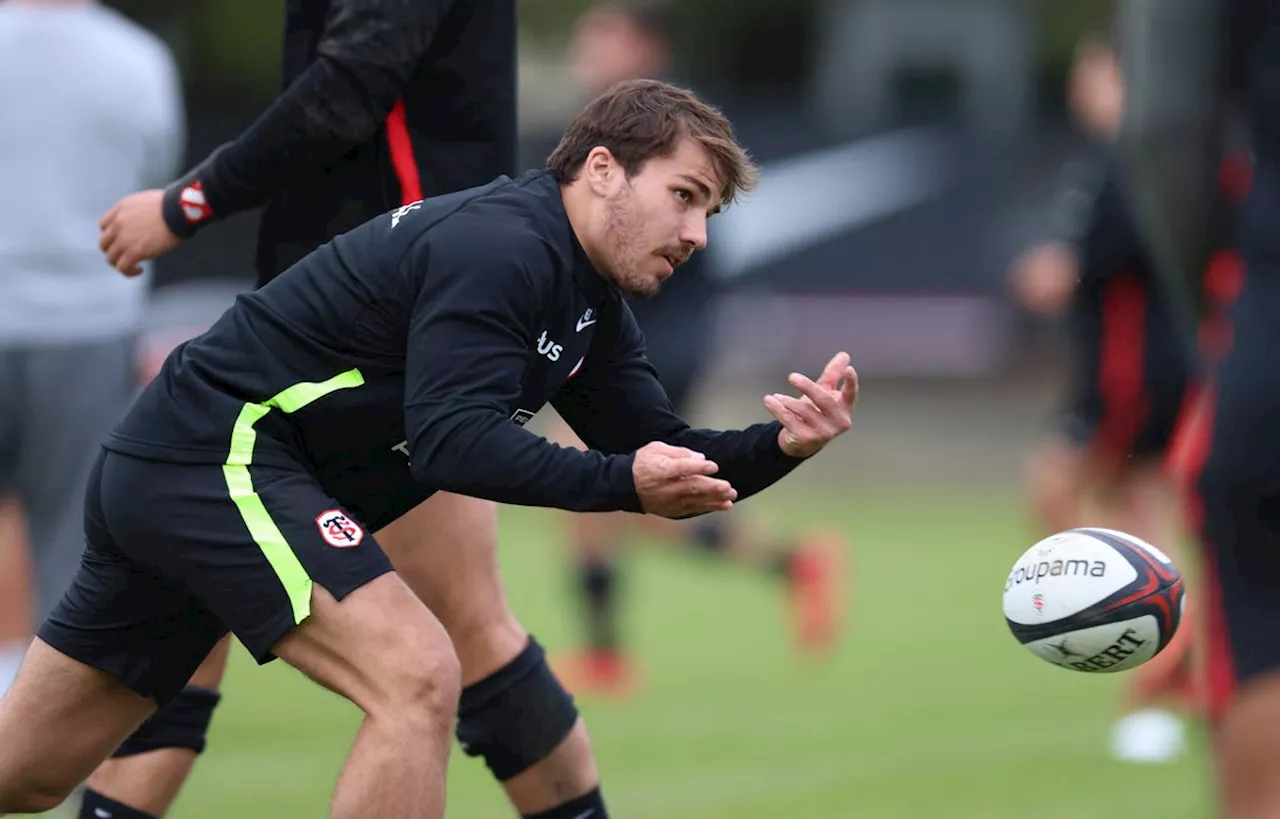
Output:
x=824 y=410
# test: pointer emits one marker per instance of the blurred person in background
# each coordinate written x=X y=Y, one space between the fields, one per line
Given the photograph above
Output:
x=611 y=43
x=92 y=109
x=1104 y=462
x=1201 y=70
x=385 y=103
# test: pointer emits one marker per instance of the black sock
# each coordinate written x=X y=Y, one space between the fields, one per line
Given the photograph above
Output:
x=97 y=806
x=590 y=806
x=598 y=583
x=783 y=560
x=708 y=534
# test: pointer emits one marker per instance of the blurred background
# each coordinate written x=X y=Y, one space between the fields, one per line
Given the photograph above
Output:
x=911 y=149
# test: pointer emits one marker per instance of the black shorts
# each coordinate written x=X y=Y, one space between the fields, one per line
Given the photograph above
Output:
x=1116 y=430
x=180 y=554
x=1130 y=379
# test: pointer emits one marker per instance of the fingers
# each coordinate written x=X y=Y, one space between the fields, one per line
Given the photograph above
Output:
x=777 y=409
x=687 y=467
x=703 y=494
x=113 y=252
x=108 y=217
x=670 y=451
x=835 y=368
x=127 y=263
x=849 y=389
x=110 y=232
x=822 y=397
x=791 y=412
x=123 y=260
x=113 y=246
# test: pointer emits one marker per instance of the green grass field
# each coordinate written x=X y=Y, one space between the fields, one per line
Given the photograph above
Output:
x=930 y=710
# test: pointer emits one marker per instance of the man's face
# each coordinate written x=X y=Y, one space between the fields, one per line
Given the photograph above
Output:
x=1097 y=93
x=608 y=48
x=656 y=219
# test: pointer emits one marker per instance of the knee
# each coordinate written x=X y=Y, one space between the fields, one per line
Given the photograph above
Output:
x=183 y=722
x=421 y=683
x=474 y=622
x=485 y=638
x=517 y=716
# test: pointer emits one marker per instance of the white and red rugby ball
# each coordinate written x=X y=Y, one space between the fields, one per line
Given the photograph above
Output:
x=1094 y=600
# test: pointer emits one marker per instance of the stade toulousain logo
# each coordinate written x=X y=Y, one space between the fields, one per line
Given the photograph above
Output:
x=194 y=205
x=338 y=530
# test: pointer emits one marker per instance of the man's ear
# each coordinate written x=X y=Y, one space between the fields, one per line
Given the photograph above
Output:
x=601 y=171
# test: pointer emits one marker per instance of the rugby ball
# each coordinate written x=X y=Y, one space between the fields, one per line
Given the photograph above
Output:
x=1094 y=600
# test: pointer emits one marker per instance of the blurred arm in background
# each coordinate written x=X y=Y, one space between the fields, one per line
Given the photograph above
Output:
x=1090 y=235
x=1176 y=57
x=369 y=51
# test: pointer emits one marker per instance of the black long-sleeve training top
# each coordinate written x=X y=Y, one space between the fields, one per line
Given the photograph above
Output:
x=404 y=357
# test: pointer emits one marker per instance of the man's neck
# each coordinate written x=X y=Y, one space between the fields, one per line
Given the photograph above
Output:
x=577 y=206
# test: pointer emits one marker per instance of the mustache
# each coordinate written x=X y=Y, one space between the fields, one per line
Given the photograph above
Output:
x=680 y=254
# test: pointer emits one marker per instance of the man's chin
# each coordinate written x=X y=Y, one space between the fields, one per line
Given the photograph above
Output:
x=644 y=288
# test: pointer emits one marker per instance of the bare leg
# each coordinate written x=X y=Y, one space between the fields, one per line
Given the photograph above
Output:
x=1058 y=483
x=150 y=782
x=60 y=719
x=1246 y=747
x=383 y=650
x=446 y=550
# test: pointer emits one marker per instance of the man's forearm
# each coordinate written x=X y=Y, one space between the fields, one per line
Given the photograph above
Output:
x=750 y=459
x=1174 y=57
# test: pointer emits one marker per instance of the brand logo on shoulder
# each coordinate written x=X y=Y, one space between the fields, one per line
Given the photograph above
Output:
x=522 y=416
x=338 y=530
x=588 y=319
x=549 y=348
x=400 y=212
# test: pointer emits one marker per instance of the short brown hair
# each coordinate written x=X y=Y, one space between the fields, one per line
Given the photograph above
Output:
x=639 y=120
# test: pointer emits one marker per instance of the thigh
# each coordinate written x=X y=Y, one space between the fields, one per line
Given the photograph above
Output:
x=60 y=719
x=446 y=551
x=249 y=542
x=380 y=638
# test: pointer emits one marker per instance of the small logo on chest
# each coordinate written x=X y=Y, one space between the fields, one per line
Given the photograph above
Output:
x=549 y=348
